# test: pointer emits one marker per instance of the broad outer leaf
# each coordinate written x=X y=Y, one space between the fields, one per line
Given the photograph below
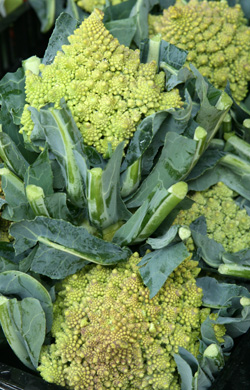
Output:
x=70 y=243
x=23 y=285
x=45 y=10
x=24 y=324
x=155 y=267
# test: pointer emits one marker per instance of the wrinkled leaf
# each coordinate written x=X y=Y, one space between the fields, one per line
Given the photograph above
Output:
x=65 y=244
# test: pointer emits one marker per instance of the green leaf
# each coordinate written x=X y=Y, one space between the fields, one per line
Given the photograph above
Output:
x=18 y=207
x=217 y=294
x=105 y=205
x=63 y=248
x=64 y=27
x=7 y=265
x=170 y=168
x=13 y=94
x=235 y=177
x=208 y=249
x=23 y=323
x=192 y=376
x=12 y=156
x=155 y=267
x=122 y=29
x=23 y=285
x=45 y=10
x=63 y=137
x=118 y=11
x=10 y=128
x=40 y=173
x=165 y=240
x=147 y=218
x=140 y=11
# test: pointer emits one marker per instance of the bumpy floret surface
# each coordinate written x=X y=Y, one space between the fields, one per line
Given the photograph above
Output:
x=216 y=37
x=90 y=5
x=104 y=84
x=110 y=335
x=227 y=223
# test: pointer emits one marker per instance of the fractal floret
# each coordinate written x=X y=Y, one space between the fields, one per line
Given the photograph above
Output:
x=90 y=5
x=103 y=83
x=109 y=334
x=216 y=37
x=227 y=223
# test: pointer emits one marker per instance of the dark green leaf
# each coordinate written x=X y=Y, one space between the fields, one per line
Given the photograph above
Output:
x=192 y=376
x=12 y=156
x=170 y=168
x=40 y=173
x=62 y=245
x=23 y=323
x=217 y=294
x=209 y=250
x=165 y=240
x=17 y=283
x=155 y=267
x=7 y=265
x=63 y=137
x=208 y=160
x=45 y=10
x=13 y=94
x=118 y=11
x=64 y=26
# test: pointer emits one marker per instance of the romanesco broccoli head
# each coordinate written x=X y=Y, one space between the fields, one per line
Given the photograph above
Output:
x=216 y=37
x=90 y=5
x=227 y=223
x=110 y=334
x=104 y=84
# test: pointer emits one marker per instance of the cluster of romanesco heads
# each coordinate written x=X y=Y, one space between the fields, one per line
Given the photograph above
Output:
x=110 y=335
x=227 y=223
x=103 y=83
x=216 y=37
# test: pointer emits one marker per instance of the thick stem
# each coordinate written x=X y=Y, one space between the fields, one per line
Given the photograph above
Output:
x=131 y=178
x=35 y=196
x=233 y=269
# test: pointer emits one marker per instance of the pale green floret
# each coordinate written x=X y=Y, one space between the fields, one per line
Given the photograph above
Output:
x=216 y=37
x=103 y=83
x=227 y=223
x=90 y=5
x=110 y=334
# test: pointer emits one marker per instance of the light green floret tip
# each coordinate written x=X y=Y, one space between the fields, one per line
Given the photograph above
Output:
x=103 y=83
x=227 y=223
x=90 y=5
x=110 y=334
x=216 y=37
